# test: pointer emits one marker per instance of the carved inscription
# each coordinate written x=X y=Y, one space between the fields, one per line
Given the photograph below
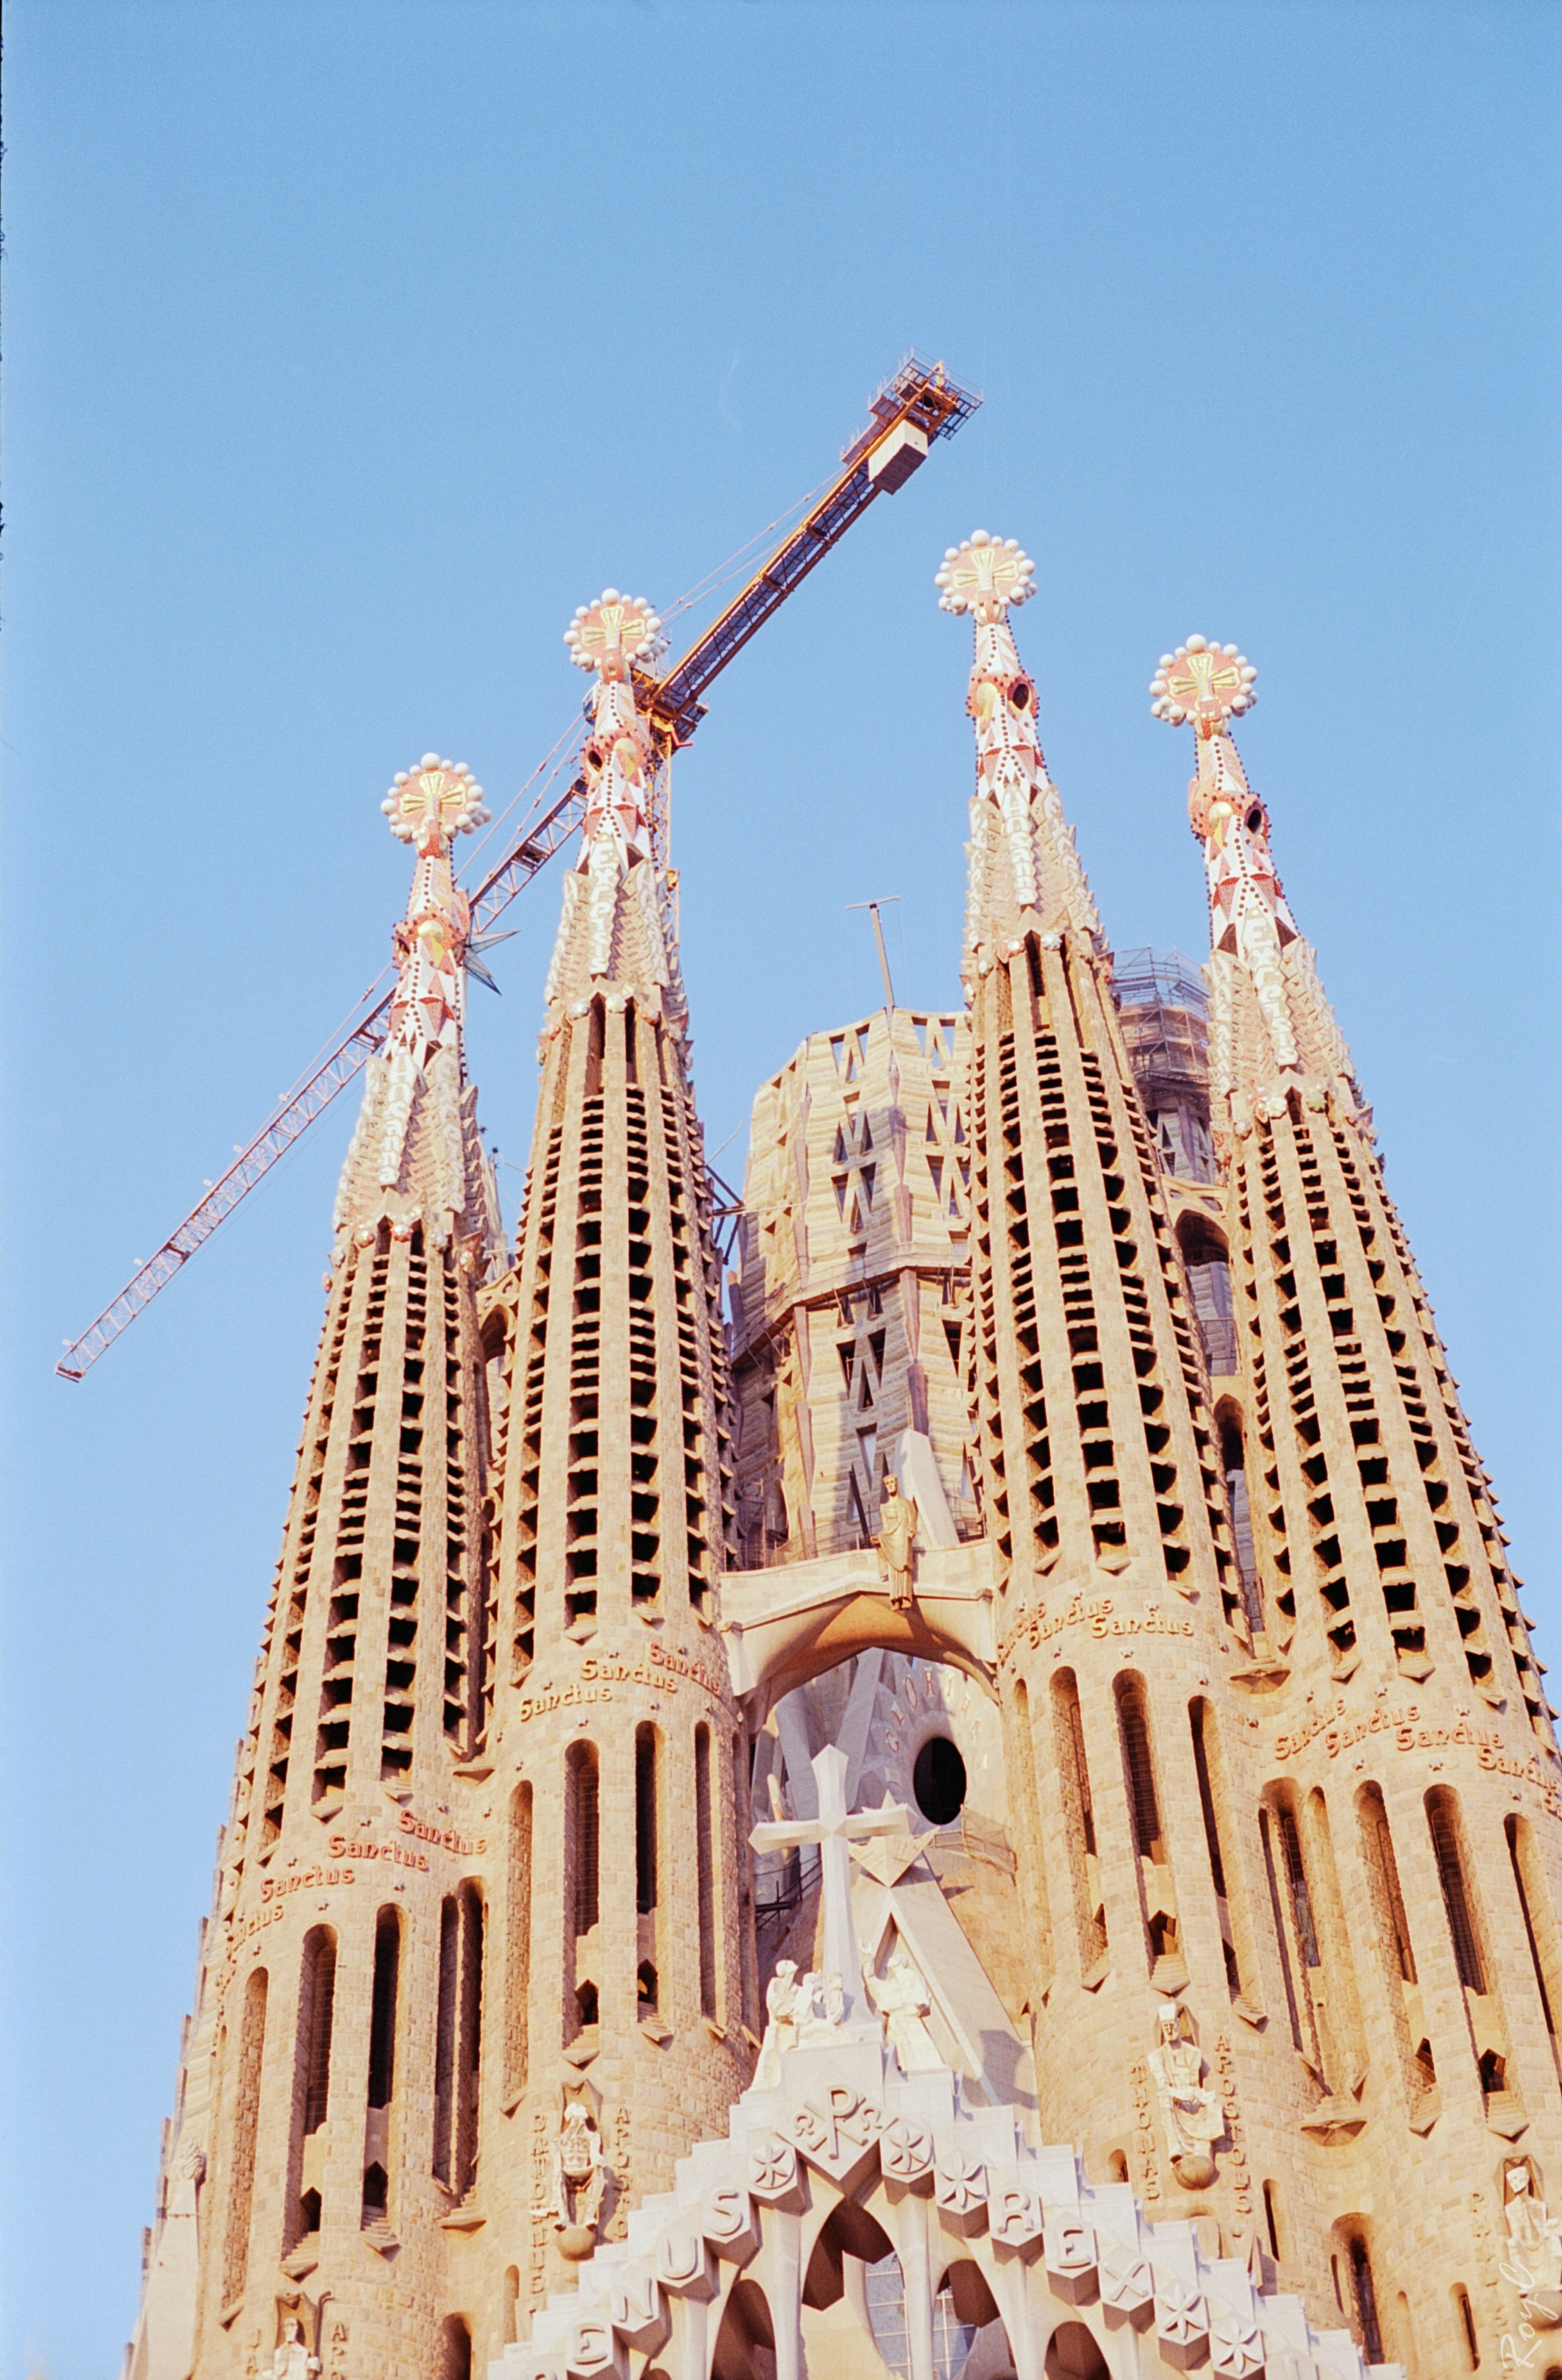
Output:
x=1239 y=2172
x=345 y=1847
x=1144 y=2133
x=1036 y=1625
x=662 y=1669
x=541 y=2174
x=619 y=2227
x=1402 y=1730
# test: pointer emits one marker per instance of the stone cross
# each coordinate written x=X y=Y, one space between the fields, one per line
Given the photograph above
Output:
x=834 y=1831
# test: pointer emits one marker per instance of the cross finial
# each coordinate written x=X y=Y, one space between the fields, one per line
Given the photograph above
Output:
x=431 y=804
x=834 y=1830
x=616 y=629
x=984 y=576
x=1205 y=683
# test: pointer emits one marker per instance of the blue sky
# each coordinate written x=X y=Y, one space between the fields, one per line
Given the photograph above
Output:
x=349 y=348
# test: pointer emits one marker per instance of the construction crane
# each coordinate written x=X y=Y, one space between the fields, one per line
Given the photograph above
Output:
x=917 y=404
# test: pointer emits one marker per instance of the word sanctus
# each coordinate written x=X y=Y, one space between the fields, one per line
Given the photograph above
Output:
x=464 y=1846
x=341 y=1847
x=1098 y=1613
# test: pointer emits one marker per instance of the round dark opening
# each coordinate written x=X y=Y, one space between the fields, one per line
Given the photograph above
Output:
x=939 y=1780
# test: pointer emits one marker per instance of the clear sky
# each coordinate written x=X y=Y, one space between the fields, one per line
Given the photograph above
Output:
x=349 y=348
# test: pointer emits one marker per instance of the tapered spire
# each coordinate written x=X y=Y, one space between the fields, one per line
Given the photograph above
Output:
x=416 y=1155
x=1025 y=875
x=615 y=933
x=1271 y=1026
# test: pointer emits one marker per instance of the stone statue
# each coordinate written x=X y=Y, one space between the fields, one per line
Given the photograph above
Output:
x=580 y=2177
x=1193 y=2117
x=897 y=1533
x=780 y=2029
x=292 y=2359
x=1534 y=2244
x=821 y=2007
x=901 y=1996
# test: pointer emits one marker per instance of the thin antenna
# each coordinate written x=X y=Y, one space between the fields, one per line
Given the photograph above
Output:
x=873 y=908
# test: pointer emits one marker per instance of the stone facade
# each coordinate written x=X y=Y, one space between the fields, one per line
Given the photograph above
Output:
x=1072 y=1555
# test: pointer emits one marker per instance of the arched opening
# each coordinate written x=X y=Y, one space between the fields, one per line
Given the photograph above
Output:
x=647 y=1865
x=311 y=2082
x=1157 y=1899
x=747 y=2332
x=510 y=2324
x=517 y=1978
x=1233 y=1464
x=382 y=2017
x=960 y=2312
x=705 y=1873
x=1079 y=1815
x=246 y=2117
x=455 y=2348
x=1211 y=1781
x=1365 y=2297
x=939 y=1780
x=850 y=2230
x=459 y=2039
x=582 y=1884
x=1072 y=2354
x=1209 y=1281
x=1465 y=2318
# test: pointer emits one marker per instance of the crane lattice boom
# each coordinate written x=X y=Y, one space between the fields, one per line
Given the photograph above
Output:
x=917 y=404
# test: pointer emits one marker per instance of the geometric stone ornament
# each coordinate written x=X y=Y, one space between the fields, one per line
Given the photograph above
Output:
x=1236 y=2346
x=1181 y=2323
x=960 y=2191
x=1071 y=2258
x=1036 y=2232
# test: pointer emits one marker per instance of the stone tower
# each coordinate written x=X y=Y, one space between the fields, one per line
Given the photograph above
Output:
x=619 y=1968
x=1121 y=1604
x=1409 y=1800
x=851 y=1278
x=326 y=2110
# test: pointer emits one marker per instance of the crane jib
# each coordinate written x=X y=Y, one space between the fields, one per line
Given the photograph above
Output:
x=919 y=397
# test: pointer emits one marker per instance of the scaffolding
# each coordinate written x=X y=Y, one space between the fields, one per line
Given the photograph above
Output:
x=1164 y=1009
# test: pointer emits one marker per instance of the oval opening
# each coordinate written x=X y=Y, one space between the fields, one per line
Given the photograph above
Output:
x=939 y=1780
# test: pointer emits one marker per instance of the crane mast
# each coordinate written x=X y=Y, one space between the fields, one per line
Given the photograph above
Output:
x=918 y=404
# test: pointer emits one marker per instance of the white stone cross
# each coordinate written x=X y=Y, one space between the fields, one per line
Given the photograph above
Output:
x=834 y=1830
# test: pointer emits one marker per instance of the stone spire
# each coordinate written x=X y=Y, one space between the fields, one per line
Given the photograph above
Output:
x=1271 y=1028
x=328 y=2112
x=1025 y=875
x=1116 y=1581
x=416 y=1155
x=1419 y=1872
x=614 y=935
x=623 y=1991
